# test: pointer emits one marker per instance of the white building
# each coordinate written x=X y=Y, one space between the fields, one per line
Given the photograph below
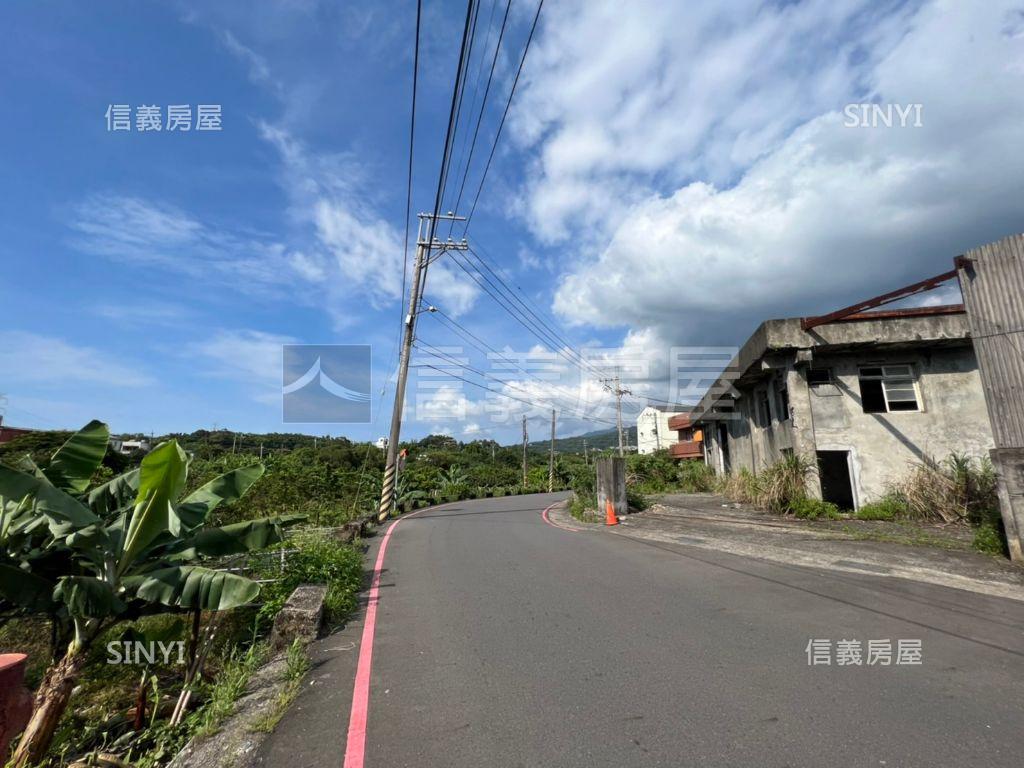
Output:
x=652 y=431
x=382 y=443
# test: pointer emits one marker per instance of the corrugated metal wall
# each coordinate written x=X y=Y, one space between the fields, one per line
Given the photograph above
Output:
x=992 y=282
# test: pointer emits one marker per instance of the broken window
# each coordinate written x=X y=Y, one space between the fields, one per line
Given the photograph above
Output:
x=783 y=403
x=887 y=388
x=764 y=413
x=817 y=377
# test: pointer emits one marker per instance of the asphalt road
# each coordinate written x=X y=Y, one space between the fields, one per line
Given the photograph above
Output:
x=504 y=641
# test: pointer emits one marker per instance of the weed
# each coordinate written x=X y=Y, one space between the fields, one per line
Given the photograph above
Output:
x=814 y=509
x=956 y=489
x=228 y=687
x=887 y=508
x=988 y=539
x=696 y=477
x=317 y=561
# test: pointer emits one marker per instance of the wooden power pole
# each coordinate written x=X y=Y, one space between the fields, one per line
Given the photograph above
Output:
x=424 y=246
x=551 y=455
x=618 y=391
x=524 y=451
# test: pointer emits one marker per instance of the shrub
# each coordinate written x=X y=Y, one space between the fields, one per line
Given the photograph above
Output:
x=696 y=476
x=635 y=499
x=814 y=509
x=738 y=486
x=316 y=561
x=989 y=539
x=887 y=508
x=957 y=489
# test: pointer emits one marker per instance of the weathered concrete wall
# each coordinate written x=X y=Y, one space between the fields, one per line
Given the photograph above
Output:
x=884 y=445
x=611 y=484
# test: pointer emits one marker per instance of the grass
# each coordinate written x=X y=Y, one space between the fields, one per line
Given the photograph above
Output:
x=777 y=488
x=890 y=507
x=814 y=509
x=579 y=510
x=228 y=687
x=989 y=540
x=912 y=538
x=296 y=666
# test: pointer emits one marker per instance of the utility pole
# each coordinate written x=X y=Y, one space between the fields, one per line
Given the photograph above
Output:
x=586 y=456
x=524 y=451
x=618 y=391
x=551 y=455
x=425 y=243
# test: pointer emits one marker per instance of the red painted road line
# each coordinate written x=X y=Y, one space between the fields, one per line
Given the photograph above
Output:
x=551 y=522
x=355 y=747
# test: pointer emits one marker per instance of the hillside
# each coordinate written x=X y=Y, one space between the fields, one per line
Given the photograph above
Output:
x=600 y=439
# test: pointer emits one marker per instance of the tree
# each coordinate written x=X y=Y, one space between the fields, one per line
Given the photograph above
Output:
x=91 y=558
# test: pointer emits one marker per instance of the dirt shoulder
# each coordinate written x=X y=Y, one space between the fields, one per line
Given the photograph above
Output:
x=920 y=552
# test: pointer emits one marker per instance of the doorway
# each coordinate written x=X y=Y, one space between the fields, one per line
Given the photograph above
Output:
x=723 y=446
x=836 y=484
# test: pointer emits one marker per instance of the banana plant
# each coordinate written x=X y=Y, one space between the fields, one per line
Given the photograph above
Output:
x=455 y=476
x=91 y=558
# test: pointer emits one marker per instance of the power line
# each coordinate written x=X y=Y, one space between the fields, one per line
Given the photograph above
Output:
x=577 y=411
x=423 y=248
x=495 y=391
x=483 y=104
x=501 y=125
x=412 y=136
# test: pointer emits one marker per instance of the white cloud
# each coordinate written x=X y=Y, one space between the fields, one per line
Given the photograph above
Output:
x=773 y=206
x=47 y=360
x=142 y=232
x=330 y=195
x=250 y=357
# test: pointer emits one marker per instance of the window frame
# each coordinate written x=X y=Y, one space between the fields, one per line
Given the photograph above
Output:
x=885 y=377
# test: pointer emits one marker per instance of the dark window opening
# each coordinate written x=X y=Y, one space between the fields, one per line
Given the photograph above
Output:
x=817 y=377
x=888 y=388
x=764 y=414
x=871 y=396
x=783 y=403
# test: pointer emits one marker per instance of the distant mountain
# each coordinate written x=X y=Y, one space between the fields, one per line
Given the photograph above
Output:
x=600 y=439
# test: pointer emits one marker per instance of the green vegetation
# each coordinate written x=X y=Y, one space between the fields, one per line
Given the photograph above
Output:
x=814 y=509
x=889 y=507
x=316 y=561
x=91 y=556
x=778 y=488
x=989 y=539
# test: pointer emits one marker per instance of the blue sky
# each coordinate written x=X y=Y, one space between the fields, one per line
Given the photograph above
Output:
x=671 y=184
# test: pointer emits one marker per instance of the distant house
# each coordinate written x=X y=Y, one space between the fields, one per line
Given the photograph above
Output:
x=865 y=396
x=653 y=432
x=382 y=443
x=9 y=433
x=127 y=446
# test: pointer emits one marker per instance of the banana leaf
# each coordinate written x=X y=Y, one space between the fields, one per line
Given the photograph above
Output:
x=192 y=586
x=74 y=463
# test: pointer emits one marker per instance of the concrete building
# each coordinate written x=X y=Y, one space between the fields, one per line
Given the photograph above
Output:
x=653 y=432
x=130 y=445
x=866 y=396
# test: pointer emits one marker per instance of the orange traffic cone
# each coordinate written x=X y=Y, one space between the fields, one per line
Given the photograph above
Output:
x=609 y=513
